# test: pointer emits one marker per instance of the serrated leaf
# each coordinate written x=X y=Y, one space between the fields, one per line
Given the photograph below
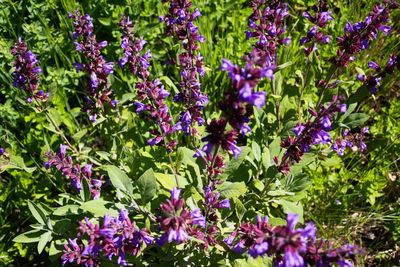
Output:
x=232 y=190
x=147 y=184
x=38 y=213
x=44 y=239
x=119 y=179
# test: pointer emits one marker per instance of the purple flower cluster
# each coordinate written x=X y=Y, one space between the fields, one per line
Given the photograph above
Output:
x=74 y=171
x=151 y=94
x=352 y=140
x=97 y=69
x=176 y=221
x=315 y=34
x=26 y=73
x=358 y=36
x=266 y=24
x=373 y=81
x=138 y=64
x=311 y=133
x=180 y=25
x=2 y=151
x=214 y=165
x=213 y=202
x=115 y=237
x=289 y=246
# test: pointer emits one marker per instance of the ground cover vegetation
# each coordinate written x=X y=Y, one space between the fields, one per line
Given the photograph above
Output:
x=199 y=133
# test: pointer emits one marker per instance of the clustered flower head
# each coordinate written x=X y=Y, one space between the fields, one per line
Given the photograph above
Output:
x=26 y=73
x=2 y=151
x=353 y=140
x=289 y=246
x=315 y=34
x=213 y=202
x=96 y=67
x=115 y=237
x=373 y=81
x=311 y=133
x=266 y=24
x=151 y=94
x=180 y=25
x=358 y=36
x=214 y=165
x=176 y=221
x=74 y=171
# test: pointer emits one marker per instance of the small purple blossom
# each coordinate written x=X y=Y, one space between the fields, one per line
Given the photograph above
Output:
x=316 y=34
x=180 y=24
x=96 y=67
x=73 y=171
x=176 y=220
x=357 y=36
x=114 y=238
x=26 y=73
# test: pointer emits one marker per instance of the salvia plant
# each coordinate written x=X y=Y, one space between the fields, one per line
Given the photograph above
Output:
x=213 y=194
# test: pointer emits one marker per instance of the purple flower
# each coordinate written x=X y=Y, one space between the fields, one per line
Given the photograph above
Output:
x=298 y=129
x=373 y=65
x=96 y=67
x=326 y=123
x=26 y=73
x=321 y=137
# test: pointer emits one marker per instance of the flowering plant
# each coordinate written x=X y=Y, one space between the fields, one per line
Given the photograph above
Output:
x=167 y=172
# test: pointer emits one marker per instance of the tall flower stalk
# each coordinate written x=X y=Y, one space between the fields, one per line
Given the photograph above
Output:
x=180 y=24
x=98 y=88
x=27 y=71
x=151 y=94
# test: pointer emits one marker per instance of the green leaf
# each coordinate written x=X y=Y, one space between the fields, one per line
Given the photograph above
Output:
x=275 y=148
x=105 y=21
x=240 y=209
x=38 y=213
x=15 y=162
x=98 y=208
x=292 y=207
x=66 y=210
x=256 y=151
x=56 y=247
x=355 y=119
x=232 y=190
x=44 y=239
x=147 y=184
x=235 y=163
x=78 y=136
x=85 y=192
x=169 y=83
x=119 y=179
x=32 y=236
x=168 y=181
